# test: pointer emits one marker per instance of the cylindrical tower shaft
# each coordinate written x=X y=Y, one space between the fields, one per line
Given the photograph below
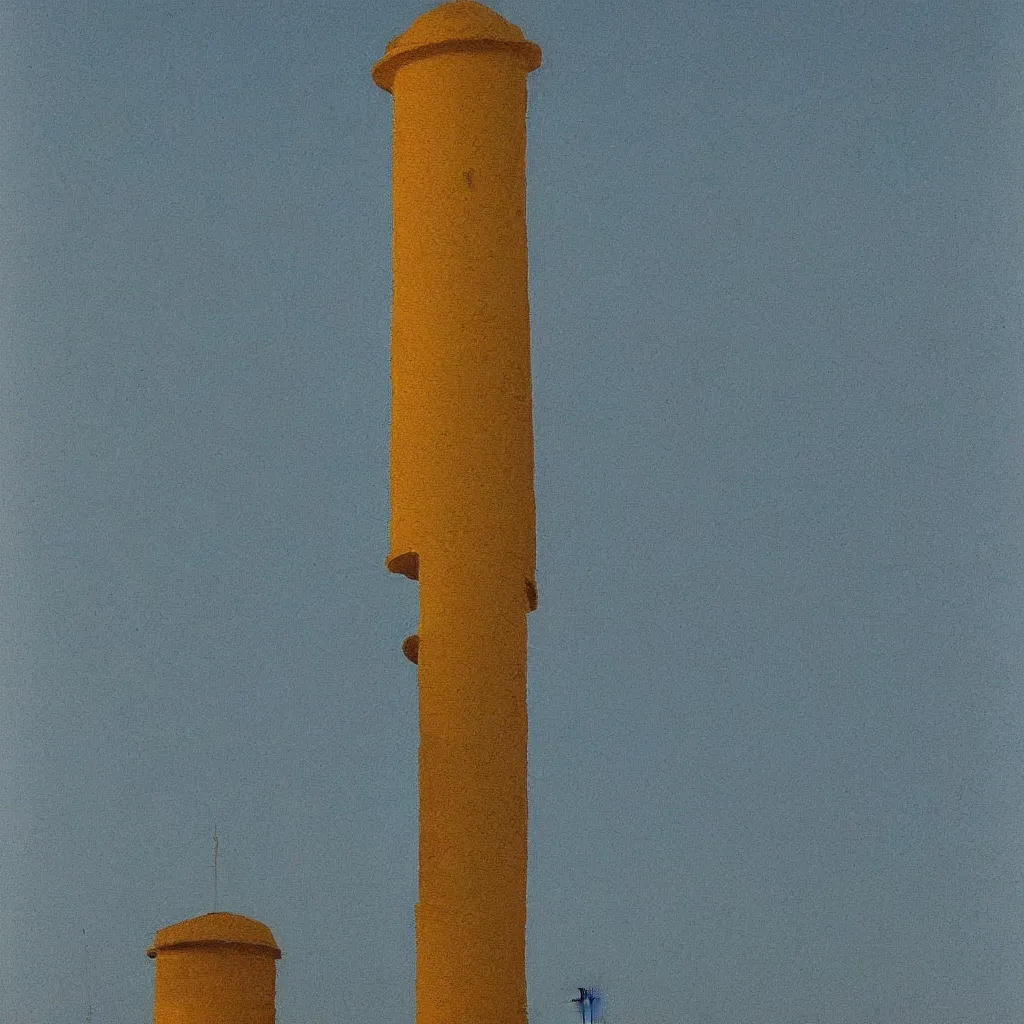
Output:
x=214 y=969
x=462 y=503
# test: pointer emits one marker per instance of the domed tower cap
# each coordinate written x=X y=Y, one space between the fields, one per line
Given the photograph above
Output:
x=458 y=26
x=216 y=929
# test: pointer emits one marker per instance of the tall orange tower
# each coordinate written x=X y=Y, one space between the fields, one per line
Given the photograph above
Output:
x=214 y=969
x=462 y=503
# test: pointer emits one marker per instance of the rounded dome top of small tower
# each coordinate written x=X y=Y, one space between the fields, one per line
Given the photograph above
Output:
x=453 y=26
x=215 y=929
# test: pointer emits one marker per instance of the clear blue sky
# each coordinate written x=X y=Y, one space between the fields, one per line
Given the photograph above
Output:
x=776 y=704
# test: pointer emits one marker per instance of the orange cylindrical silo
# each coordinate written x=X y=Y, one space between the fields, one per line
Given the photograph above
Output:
x=214 y=969
x=462 y=500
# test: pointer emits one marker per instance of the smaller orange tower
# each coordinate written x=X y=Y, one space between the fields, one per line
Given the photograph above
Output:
x=214 y=969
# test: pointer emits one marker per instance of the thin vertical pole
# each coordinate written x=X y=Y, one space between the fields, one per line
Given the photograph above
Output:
x=88 y=987
x=216 y=852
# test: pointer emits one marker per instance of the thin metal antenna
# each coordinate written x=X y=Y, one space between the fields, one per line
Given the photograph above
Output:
x=88 y=992
x=216 y=853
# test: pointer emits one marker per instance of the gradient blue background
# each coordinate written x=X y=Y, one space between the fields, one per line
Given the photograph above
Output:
x=776 y=705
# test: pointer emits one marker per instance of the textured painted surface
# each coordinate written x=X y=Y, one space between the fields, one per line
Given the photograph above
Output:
x=462 y=504
x=214 y=969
